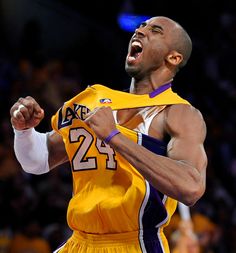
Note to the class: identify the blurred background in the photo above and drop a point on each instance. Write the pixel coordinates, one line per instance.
(53, 49)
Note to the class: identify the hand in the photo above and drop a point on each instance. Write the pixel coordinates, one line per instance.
(26, 113)
(101, 120)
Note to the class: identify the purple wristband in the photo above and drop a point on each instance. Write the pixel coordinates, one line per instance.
(111, 135)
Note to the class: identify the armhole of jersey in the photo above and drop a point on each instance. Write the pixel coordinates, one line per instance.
(115, 116)
(149, 120)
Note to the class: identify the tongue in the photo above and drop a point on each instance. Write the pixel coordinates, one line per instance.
(136, 55)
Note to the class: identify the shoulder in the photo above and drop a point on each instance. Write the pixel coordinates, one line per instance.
(183, 111)
(184, 119)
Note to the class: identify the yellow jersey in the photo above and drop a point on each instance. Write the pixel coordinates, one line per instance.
(109, 195)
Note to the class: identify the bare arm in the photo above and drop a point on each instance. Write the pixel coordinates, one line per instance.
(56, 148)
(187, 129)
(181, 175)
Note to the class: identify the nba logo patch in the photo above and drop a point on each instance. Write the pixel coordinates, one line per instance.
(105, 101)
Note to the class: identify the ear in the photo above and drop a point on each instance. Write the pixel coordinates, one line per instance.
(174, 58)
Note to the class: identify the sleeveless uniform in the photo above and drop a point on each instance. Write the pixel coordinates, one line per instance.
(113, 208)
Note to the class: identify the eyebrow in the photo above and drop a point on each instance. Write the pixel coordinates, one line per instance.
(153, 26)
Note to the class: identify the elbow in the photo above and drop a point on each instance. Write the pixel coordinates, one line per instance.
(193, 195)
(195, 189)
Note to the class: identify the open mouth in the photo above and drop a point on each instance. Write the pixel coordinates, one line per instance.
(135, 51)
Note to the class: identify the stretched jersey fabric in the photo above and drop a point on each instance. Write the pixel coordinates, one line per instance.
(112, 203)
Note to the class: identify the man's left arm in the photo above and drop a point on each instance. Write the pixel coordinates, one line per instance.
(180, 175)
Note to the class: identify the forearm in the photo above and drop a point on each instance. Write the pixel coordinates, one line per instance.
(31, 151)
(176, 179)
(56, 149)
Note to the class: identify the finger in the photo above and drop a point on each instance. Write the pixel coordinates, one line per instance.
(18, 121)
(18, 124)
(21, 113)
(39, 115)
(87, 120)
(23, 108)
(31, 104)
(17, 110)
(31, 108)
(14, 108)
(87, 115)
(36, 107)
(26, 112)
(90, 114)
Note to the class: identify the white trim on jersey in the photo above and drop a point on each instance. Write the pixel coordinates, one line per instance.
(145, 200)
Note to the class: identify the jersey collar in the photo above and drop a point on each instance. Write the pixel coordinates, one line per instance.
(160, 90)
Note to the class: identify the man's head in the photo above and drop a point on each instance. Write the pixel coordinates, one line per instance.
(158, 44)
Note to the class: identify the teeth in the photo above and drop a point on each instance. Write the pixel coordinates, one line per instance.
(136, 43)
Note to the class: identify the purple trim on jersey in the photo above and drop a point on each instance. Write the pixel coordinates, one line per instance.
(159, 90)
(152, 144)
(154, 212)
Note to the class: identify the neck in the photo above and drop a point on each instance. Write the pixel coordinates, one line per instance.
(143, 87)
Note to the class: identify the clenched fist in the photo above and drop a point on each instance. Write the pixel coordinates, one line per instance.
(26, 113)
(101, 120)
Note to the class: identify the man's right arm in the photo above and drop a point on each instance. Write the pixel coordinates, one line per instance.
(36, 152)
(56, 149)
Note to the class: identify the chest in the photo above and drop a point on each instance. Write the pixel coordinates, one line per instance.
(148, 120)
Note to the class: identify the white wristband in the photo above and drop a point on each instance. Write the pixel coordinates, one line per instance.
(31, 150)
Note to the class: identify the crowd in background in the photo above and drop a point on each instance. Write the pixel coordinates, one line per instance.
(35, 206)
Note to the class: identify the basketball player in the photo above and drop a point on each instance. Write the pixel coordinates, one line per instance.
(133, 155)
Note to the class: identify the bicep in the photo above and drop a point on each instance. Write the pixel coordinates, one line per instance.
(56, 148)
(188, 131)
(188, 151)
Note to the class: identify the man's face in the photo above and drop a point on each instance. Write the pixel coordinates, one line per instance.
(148, 47)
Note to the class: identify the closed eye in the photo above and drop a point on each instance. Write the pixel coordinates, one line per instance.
(157, 28)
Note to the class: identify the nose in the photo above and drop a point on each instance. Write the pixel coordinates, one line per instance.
(139, 32)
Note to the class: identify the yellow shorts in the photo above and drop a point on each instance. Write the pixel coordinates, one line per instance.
(110, 243)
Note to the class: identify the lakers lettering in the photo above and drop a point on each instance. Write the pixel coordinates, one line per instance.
(68, 114)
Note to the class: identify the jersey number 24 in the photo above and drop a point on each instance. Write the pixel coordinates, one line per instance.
(80, 160)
